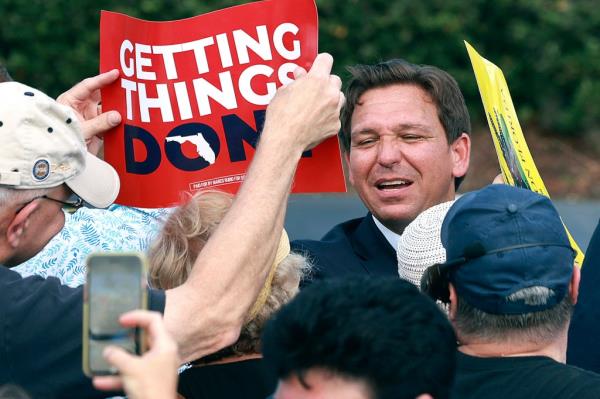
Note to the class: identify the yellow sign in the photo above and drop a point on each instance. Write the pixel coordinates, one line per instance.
(516, 163)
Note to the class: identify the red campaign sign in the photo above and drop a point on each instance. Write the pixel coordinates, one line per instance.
(193, 95)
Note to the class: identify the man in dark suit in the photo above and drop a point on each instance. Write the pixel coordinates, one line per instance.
(405, 134)
(583, 349)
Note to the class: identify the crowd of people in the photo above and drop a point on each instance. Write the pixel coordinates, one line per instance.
(427, 296)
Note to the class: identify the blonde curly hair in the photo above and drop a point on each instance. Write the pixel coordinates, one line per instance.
(184, 234)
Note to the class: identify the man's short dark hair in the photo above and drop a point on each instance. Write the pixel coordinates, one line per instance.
(439, 85)
(4, 76)
(383, 332)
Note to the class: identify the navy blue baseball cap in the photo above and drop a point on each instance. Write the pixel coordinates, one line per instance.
(502, 239)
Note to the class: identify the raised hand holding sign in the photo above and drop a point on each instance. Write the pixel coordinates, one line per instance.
(193, 95)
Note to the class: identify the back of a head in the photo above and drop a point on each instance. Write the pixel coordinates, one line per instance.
(183, 236)
(379, 331)
(511, 264)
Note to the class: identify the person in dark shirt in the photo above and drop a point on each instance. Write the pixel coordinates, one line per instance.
(405, 135)
(511, 284)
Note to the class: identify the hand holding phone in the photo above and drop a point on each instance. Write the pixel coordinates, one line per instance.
(154, 374)
(115, 284)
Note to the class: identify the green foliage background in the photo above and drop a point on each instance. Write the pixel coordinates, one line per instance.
(549, 50)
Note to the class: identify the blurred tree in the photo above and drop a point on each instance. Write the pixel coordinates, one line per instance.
(548, 49)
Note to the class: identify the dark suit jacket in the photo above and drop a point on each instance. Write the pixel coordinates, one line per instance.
(584, 334)
(353, 247)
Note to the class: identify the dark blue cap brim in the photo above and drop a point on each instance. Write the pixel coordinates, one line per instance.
(487, 281)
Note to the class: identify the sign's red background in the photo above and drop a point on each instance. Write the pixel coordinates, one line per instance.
(320, 173)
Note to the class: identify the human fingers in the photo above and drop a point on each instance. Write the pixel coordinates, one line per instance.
(140, 318)
(299, 72)
(322, 65)
(499, 179)
(94, 145)
(154, 325)
(335, 81)
(100, 124)
(88, 88)
(108, 383)
(120, 358)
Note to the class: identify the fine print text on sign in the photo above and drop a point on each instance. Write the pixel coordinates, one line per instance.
(193, 94)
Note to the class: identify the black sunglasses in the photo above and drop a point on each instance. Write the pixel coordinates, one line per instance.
(69, 204)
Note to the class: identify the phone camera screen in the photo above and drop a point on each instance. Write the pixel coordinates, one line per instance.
(114, 287)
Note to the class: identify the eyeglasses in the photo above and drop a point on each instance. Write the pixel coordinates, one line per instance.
(70, 204)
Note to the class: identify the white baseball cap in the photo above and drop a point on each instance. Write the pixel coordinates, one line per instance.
(41, 146)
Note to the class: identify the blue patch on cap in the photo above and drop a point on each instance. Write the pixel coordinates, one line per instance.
(41, 170)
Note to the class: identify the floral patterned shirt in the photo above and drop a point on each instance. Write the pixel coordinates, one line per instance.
(118, 228)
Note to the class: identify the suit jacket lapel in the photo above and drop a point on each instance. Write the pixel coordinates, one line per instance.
(374, 250)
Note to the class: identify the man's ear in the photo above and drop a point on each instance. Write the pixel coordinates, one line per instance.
(574, 285)
(453, 302)
(19, 224)
(461, 153)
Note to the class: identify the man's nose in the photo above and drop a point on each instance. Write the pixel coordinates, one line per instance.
(389, 152)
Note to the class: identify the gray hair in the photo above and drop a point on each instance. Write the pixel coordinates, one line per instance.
(536, 327)
(10, 196)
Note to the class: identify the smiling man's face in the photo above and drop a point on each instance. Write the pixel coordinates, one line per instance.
(400, 162)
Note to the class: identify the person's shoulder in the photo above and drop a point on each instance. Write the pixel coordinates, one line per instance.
(121, 212)
(572, 382)
(582, 374)
(346, 228)
(334, 255)
(539, 376)
(335, 241)
(117, 227)
(579, 383)
(35, 300)
(337, 235)
(12, 281)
